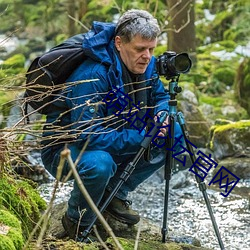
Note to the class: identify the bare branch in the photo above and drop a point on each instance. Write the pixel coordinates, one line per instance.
(66, 154)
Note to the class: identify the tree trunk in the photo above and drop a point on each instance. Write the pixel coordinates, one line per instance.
(71, 6)
(83, 7)
(181, 27)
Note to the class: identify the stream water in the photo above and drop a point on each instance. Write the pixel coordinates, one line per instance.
(187, 212)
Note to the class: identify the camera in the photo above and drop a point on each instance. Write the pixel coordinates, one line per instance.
(171, 65)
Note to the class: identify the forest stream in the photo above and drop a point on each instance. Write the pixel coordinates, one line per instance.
(188, 215)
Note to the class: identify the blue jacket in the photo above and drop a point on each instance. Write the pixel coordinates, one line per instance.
(89, 117)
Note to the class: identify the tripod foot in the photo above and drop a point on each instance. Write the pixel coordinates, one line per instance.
(164, 232)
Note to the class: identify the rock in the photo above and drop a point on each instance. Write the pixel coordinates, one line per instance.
(188, 95)
(149, 238)
(230, 140)
(206, 109)
(239, 166)
(228, 110)
(197, 125)
(20, 209)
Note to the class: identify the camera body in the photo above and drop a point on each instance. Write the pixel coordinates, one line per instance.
(171, 65)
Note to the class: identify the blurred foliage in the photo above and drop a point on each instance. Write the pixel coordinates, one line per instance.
(242, 84)
(221, 27)
(226, 20)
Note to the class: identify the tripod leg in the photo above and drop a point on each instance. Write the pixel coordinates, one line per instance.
(201, 183)
(168, 172)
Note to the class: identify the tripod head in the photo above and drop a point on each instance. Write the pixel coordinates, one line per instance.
(174, 89)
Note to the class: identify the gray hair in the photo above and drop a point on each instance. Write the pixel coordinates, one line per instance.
(137, 22)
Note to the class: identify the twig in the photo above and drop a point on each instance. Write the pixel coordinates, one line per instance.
(77, 21)
(66, 154)
(137, 236)
(99, 238)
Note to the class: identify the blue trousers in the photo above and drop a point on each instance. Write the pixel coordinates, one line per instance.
(99, 171)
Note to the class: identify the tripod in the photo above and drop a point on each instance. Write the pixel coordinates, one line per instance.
(129, 169)
(169, 163)
(173, 90)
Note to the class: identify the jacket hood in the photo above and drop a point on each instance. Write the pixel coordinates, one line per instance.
(98, 43)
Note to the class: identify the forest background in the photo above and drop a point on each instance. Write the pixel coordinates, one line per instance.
(214, 33)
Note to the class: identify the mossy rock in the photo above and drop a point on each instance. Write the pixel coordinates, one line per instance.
(6, 97)
(22, 200)
(11, 237)
(13, 70)
(225, 75)
(219, 107)
(16, 61)
(231, 139)
(13, 65)
(212, 75)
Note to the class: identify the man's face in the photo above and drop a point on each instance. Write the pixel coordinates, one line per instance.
(137, 53)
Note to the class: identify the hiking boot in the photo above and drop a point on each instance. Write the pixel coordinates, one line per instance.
(75, 231)
(121, 211)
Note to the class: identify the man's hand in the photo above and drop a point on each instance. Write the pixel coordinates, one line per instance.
(163, 131)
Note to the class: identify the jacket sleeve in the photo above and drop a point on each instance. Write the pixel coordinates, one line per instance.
(89, 115)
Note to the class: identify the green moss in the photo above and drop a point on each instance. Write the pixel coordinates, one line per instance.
(6, 96)
(220, 132)
(16, 237)
(21, 199)
(174, 246)
(16, 61)
(13, 71)
(214, 101)
(6, 243)
(219, 102)
(225, 75)
(13, 239)
(9, 219)
(90, 247)
(60, 38)
(160, 49)
(228, 45)
(128, 244)
(222, 122)
(236, 125)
